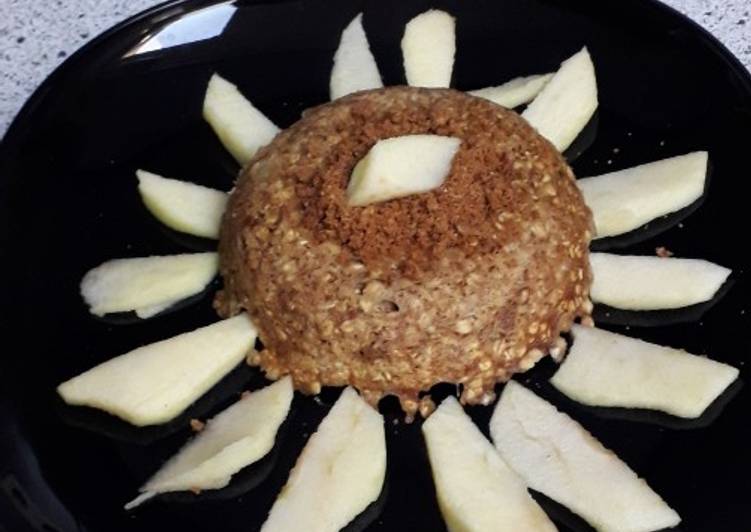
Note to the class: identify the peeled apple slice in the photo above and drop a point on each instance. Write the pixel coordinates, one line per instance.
(237, 437)
(624, 200)
(476, 490)
(608, 369)
(428, 49)
(155, 383)
(633, 282)
(401, 166)
(566, 103)
(355, 68)
(241, 127)
(559, 458)
(183, 206)
(339, 473)
(146, 285)
(516, 92)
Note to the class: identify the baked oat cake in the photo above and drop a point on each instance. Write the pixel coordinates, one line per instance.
(468, 284)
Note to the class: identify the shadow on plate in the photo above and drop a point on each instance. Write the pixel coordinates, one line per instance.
(191, 243)
(130, 318)
(653, 227)
(584, 140)
(227, 390)
(245, 480)
(253, 475)
(662, 419)
(659, 318)
(562, 515)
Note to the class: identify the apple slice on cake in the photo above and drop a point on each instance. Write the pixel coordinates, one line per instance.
(476, 490)
(235, 438)
(183, 206)
(339, 472)
(566, 103)
(147, 285)
(607, 369)
(428, 49)
(627, 199)
(632, 282)
(355, 68)
(401, 166)
(155, 383)
(559, 458)
(241, 128)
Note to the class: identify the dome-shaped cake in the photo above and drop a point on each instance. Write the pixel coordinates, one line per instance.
(468, 283)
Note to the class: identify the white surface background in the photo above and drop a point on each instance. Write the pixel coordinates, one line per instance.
(37, 35)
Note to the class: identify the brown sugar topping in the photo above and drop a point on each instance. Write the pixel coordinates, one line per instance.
(499, 170)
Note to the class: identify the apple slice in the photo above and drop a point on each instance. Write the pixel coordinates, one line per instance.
(146, 285)
(428, 49)
(401, 166)
(241, 127)
(155, 383)
(516, 92)
(339, 473)
(183, 206)
(608, 369)
(355, 67)
(632, 282)
(624, 200)
(476, 489)
(237, 437)
(559, 458)
(566, 103)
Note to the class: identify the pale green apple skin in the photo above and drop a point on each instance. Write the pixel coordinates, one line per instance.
(343, 464)
(624, 200)
(182, 206)
(515, 92)
(238, 436)
(242, 129)
(567, 102)
(155, 383)
(611, 370)
(147, 285)
(636, 282)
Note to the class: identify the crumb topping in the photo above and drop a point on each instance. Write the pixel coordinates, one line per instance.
(501, 178)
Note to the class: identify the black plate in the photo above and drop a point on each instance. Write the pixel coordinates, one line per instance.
(69, 201)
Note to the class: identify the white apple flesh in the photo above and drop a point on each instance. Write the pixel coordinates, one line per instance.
(338, 474)
(428, 49)
(146, 285)
(182, 206)
(627, 199)
(608, 369)
(559, 458)
(235, 438)
(633, 282)
(476, 490)
(155, 383)
(355, 68)
(401, 166)
(566, 103)
(241, 128)
(515, 92)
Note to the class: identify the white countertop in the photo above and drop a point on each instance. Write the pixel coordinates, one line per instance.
(37, 35)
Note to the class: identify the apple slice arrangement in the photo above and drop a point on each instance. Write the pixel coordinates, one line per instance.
(480, 485)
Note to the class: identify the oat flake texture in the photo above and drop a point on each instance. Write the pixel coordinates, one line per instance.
(468, 283)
